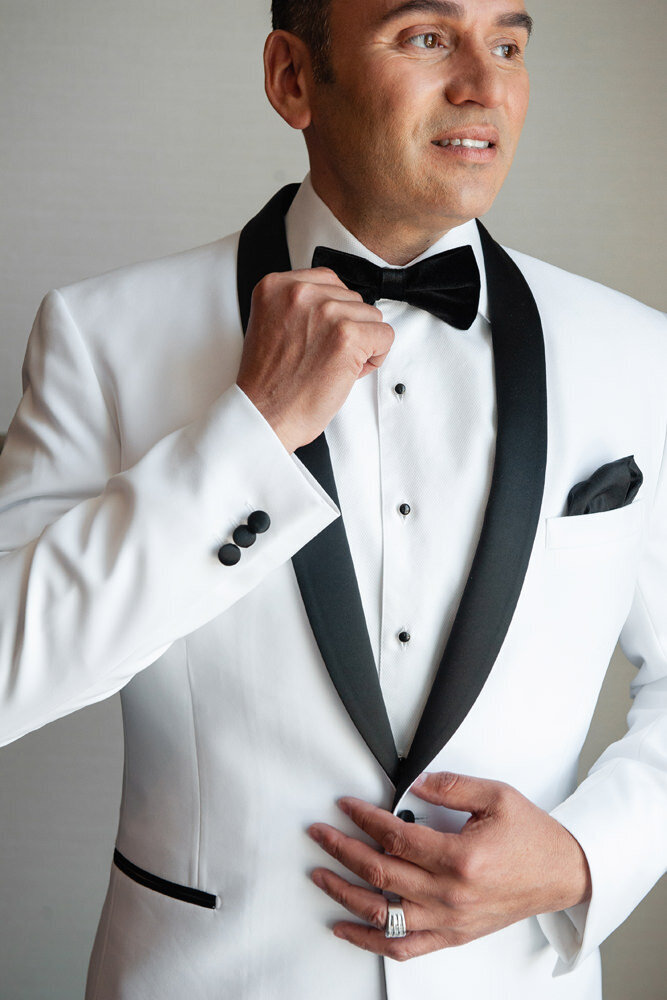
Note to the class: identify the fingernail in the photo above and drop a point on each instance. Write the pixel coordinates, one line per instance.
(340, 934)
(318, 879)
(344, 806)
(421, 779)
(316, 834)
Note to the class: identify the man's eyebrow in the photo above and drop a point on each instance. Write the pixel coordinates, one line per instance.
(449, 8)
(515, 19)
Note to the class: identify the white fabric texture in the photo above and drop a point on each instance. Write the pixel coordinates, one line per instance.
(431, 447)
(132, 456)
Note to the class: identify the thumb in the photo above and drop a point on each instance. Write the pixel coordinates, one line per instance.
(458, 791)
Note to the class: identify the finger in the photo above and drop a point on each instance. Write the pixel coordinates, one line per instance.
(372, 364)
(355, 309)
(343, 294)
(320, 275)
(412, 945)
(371, 906)
(376, 359)
(418, 844)
(375, 340)
(459, 791)
(378, 870)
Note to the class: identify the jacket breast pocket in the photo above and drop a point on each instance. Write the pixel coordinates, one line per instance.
(587, 530)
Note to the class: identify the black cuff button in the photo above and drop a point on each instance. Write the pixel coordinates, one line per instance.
(259, 521)
(229, 554)
(244, 537)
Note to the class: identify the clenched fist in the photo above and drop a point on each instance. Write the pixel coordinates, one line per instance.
(309, 339)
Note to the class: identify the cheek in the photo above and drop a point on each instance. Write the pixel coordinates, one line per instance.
(398, 100)
(378, 122)
(518, 105)
(377, 112)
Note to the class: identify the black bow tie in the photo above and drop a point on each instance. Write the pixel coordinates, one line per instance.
(446, 284)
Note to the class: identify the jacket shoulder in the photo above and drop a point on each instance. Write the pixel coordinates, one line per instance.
(567, 296)
(599, 330)
(160, 285)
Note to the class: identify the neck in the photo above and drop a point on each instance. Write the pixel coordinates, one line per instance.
(396, 240)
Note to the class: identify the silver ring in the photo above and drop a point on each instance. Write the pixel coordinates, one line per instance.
(395, 926)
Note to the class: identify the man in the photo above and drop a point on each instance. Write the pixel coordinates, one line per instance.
(173, 529)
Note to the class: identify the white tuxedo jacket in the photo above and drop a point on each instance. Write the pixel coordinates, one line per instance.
(249, 692)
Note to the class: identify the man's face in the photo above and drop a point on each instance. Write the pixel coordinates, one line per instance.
(406, 76)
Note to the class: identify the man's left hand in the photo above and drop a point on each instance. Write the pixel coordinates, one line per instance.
(510, 860)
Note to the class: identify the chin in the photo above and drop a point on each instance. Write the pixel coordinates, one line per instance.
(462, 209)
(452, 202)
(455, 213)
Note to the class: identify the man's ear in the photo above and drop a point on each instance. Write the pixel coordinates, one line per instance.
(287, 77)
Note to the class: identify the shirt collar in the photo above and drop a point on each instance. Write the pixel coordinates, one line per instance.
(310, 223)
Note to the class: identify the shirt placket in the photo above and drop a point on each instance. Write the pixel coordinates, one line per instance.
(401, 639)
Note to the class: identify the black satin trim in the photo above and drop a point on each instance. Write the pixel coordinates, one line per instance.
(324, 567)
(183, 892)
(512, 512)
(328, 583)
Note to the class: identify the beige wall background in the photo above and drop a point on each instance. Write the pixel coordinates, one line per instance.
(138, 128)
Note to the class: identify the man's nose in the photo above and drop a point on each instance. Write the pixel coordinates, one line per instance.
(474, 75)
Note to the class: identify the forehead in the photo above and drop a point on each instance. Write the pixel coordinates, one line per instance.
(381, 13)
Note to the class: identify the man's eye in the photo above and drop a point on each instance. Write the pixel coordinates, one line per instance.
(511, 50)
(425, 41)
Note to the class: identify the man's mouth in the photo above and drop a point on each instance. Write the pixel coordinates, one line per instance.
(480, 136)
(472, 143)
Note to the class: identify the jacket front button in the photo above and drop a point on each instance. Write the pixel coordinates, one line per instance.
(229, 554)
(244, 537)
(259, 521)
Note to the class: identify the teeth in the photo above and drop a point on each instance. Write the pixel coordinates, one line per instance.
(473, 143)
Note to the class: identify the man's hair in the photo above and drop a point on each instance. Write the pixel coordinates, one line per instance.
(309, 20)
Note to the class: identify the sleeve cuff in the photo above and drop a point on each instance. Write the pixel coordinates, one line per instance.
(617, 815)
(257, 416)
(564, 931)
(241, 465)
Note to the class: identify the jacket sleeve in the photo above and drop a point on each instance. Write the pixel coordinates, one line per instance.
(102, 569)
(619, 813)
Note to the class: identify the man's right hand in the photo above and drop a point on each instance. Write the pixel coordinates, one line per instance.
(309, 339)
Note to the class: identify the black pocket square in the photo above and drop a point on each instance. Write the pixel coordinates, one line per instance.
(612, 485)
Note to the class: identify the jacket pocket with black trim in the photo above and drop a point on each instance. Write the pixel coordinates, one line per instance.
(163, 885)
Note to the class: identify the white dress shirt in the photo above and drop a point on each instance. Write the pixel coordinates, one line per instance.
(430, 447)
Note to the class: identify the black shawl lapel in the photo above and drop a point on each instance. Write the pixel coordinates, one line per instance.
(324, 567)
(512, 513)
